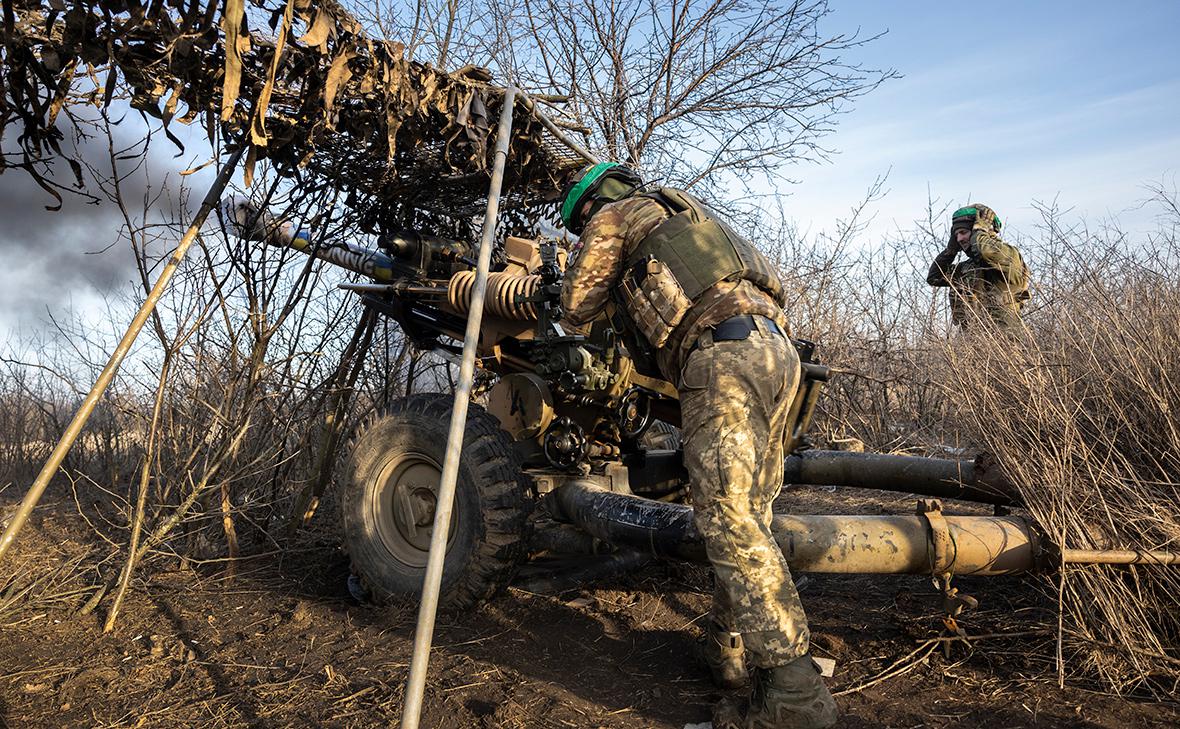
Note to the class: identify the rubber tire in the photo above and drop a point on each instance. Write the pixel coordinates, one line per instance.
(661, 436)
(491, 505)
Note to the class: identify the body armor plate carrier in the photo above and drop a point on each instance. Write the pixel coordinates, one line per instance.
(681, 259)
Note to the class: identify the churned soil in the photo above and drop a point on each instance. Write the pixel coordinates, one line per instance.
(284, 643)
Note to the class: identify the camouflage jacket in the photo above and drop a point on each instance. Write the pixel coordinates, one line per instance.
(613, 233)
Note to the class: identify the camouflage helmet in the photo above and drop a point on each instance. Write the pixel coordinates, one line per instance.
(604, 182)
(976, 215)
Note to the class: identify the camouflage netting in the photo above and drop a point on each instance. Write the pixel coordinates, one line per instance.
(299, 81)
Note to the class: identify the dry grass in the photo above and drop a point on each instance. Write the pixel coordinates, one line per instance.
(1079, 410)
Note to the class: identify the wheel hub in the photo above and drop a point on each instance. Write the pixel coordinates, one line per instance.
(406, 505)
(414, 506)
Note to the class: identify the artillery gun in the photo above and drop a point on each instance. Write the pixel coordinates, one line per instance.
(560, 404)
(579, 423)
(569, 417)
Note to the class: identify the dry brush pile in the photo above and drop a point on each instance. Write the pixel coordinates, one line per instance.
(1081, 413)
(221, 434)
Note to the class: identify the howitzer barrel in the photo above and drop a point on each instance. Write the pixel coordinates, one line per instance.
(944, 478)
(259, 225)
(365, 261)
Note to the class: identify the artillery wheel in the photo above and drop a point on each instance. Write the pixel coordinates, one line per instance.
(390, 492)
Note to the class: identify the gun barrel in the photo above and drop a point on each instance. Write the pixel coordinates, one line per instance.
(254, 224)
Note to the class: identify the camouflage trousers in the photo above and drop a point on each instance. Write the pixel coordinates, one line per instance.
(734, 401)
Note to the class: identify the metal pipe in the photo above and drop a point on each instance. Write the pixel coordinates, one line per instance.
(944, 478)
(656, 527)
(363, 260)
(901, 544)
(1118, 556)
(253, 224)
(212, 197)
(393, 288)
(411, 713)
(557, 132)
(848, 544)
(369, 288)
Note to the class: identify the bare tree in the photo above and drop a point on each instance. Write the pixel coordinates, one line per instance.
(698, 92)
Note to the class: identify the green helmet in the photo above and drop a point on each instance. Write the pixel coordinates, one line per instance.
(604, 182)
(965, 217)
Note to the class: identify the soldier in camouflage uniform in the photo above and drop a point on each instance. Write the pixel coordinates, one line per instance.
(708, 306)
(992, 282)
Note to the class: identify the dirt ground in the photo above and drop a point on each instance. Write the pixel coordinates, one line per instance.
(284, 643)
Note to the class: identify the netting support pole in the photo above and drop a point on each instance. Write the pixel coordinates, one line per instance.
(212, 198)
(415, 685)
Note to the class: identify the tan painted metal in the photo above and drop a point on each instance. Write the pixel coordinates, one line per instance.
(980, 545)
(1118, 556)
(523, 404)
(850, 544)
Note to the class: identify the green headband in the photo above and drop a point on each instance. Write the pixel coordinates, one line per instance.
(575, 194)
(972, 212)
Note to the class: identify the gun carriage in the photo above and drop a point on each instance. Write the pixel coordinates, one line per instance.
(557, 404)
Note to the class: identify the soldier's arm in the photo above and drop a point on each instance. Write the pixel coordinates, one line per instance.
(588, 282)
(988, 249)
(939, 274)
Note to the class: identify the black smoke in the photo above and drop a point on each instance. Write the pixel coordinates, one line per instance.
(76, 256)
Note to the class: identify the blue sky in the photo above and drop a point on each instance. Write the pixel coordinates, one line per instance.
(1005, 103)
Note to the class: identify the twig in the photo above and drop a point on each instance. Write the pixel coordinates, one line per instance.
(897, 669)
(984, 636)
(141, 498)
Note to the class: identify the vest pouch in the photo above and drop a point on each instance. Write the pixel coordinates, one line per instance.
(656, 302)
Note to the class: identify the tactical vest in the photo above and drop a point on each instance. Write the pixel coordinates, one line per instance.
(681, 259)
(701, 250)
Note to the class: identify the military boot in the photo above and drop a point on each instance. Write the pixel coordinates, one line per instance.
(787, 697)
(723, 653)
